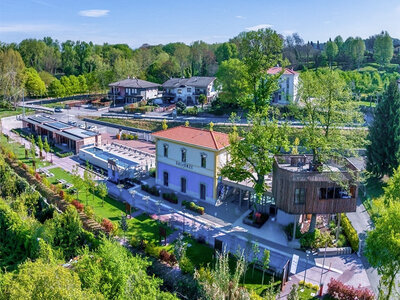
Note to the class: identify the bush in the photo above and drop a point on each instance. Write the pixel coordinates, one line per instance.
(134, 242)
(64, 154)
(152, 250)
(107, 225)
(350, 233)
(289, 231)
(167, 257)
(170, 197)
(62, 194)
(186, 265)
(79, 206)
(180, 106)
(193, 207)
(89, 211)
(151, 190)
(37, 177)
(338, 290)
(152, 172)
(309, 239)
(191, 111)
(342, 242)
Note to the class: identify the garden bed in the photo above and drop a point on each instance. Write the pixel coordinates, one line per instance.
(256, 221)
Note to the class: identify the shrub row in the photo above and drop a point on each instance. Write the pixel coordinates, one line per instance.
(338, 290)
(151, 190)
(309, 285)
(350, 233)
(64, 154)
(193, 206)
(170, 197)
(128, 136)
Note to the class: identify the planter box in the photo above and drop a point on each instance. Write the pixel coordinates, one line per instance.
(260, 221)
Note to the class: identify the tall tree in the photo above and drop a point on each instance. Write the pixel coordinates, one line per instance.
(383, 152)
(57, 89)
(383, 48)
(226, 51)
(382, 249)
(252, 156)
(331, 50)
(357, 51)
(34, 85)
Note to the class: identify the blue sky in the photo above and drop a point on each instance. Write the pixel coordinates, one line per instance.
(156, 21)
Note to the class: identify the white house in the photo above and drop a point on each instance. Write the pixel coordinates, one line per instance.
(288, 84)
(133, 90)
(188, 160)
(188, 90)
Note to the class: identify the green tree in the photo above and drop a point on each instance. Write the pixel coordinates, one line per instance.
(103, 191)
(294, 293)
(33, 149)
(383, 48)
(123, 224)
(265, 263)
(331, 50)
(164, 125)
(77, 180)
(357, 51)
(40, 145)
(34, 85)
(382, 248)
(226, 51)
(259, 51)
(56, 89)
(202, 100)
(41, 280)
(383, 152)
(233, 78)
(66, 82)
(255, 251)
(46, 146)
(46, 77)
(252, 156)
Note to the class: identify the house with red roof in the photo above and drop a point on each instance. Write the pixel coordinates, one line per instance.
(288, 84)
(188, 160)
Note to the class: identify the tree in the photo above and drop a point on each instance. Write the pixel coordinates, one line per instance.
(33, 149)
(202, 100)
(259, 51)
(331, 50)
(233, 78)
(66, 82)
(46, 77)
(219, 283)
(43, 280)
(34, 85)
(294, 293)
(265, 263)
(226, 51)
(103, 191)
(56, 89)
(383, 152)
(123, 224)
(40, 145)
(88, 182)
(383, 48)
(382, 248)
(164, 125)
(46, 146)
(255, 250)
(77, 180)
(252, 156)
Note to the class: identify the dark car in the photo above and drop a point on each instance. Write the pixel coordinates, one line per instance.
(58, 110)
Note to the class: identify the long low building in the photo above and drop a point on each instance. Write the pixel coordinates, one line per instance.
(61, 133)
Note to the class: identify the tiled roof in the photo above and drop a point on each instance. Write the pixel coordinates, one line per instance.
(195, 81)
(135, 83)
(276, 70)
(194, 136)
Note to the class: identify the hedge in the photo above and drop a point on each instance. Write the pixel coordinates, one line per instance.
(170, 197)
(151, 190)
(193, 207)
(350, 233)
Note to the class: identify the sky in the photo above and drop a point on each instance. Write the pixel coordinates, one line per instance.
(135, 22)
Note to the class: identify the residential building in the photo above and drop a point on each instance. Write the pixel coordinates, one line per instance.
(60, 133)
(132, 90)
(300, 188)
(188, 90)
(188, 160)
(288, 84)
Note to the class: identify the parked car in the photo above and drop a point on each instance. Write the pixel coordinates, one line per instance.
(57, 109)
(158, 101)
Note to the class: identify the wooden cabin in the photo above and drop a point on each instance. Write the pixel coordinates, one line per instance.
(298, 188)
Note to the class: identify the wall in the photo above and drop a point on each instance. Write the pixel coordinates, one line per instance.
(193, 181)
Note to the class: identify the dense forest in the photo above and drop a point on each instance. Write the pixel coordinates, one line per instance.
(48, 67)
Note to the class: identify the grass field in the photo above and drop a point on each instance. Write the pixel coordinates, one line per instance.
(10, 112)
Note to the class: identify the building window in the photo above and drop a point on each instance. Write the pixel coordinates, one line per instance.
(287, 84)
(202, 191)
(203, 160)
(179, 91)
(300, 196)
(189, 90)
(183, 155)
(183, 184)
(165, 178)
(334, 193)
(165, 150)
(134, 91)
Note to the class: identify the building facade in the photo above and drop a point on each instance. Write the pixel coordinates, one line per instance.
(188, 160)
(133, 90)
(288, 84)
(188, 90)
(61, 133)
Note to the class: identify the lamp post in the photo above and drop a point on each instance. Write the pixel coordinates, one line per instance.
(147, 198)
(305, 270)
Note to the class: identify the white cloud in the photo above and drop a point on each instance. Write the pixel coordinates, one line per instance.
(94, 13)
(258, 27)
(240, 17)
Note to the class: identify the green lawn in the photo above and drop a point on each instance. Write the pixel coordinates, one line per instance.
(10, 112)
(365, 103)
(19, 151)
(374, 189)
(111, 209)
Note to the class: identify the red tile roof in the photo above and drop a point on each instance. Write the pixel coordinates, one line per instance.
(276, 70)
(194, 136)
